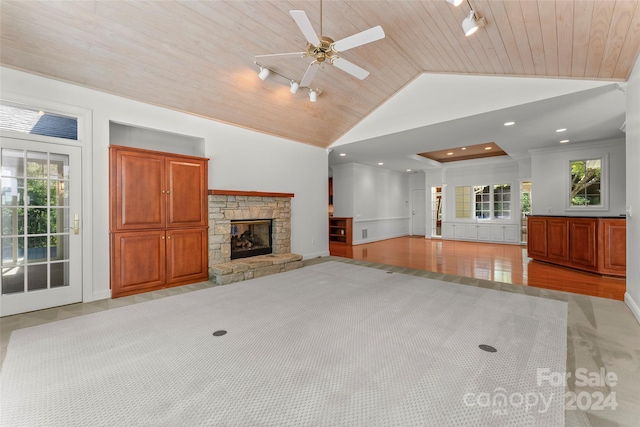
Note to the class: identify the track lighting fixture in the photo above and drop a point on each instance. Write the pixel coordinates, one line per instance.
(471, 23)
(265, 72)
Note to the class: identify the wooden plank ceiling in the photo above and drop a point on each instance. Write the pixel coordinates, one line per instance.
(198, 56)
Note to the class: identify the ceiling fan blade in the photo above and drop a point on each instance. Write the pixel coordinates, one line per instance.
(364, 37)
(309, 74)
(283, 55)
(305, 26)
(350, 68)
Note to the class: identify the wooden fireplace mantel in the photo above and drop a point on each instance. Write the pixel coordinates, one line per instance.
(248, 193)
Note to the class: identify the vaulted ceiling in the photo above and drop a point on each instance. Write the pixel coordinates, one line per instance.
(198, 56)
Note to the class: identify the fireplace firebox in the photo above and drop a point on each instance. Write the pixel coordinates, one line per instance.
(250, 238)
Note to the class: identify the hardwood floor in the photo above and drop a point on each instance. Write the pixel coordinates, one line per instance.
(490, 261)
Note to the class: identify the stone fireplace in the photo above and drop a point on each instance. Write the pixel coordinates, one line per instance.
(234, 213)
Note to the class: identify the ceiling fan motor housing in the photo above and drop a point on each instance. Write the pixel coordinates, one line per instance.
(322, 51)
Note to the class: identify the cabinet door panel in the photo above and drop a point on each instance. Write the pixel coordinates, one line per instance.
(139, 199)
(558, 239)
(614, 246)
(187, 192)
(187, 257)
(138, 261)
(583, 242)
(537, 239)
(497, 233)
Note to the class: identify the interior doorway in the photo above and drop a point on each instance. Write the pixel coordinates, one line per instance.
(418, 213)
(436, 211)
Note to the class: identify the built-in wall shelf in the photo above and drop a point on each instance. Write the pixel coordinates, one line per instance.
(340, 235)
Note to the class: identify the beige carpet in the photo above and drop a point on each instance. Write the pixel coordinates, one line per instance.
(332, 344)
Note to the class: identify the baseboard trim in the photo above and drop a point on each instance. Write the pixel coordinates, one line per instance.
(633, 306)
(99, 295)
(315, 255)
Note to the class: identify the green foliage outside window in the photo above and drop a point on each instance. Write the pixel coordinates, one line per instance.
(586, 182)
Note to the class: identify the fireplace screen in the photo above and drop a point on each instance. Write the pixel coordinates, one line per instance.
(250, 238)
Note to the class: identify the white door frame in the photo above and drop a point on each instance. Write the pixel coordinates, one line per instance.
(22, 302)
(85, 141)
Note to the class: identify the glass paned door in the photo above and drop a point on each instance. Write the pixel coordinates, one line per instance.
(41, 242)
(525, 209)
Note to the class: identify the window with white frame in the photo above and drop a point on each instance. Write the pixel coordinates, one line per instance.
(502, 201)
(483, 201)
(586, 183)
(16, 118)
(463, 202)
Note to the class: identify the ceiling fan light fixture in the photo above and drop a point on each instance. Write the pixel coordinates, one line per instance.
(294, 87)
(313, 95)
(264, 73)
(456, 3)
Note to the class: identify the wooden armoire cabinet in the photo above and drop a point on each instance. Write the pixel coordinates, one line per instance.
(158, 220)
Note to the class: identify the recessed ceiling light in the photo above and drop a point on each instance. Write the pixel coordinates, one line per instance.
(463, 148)
(380, 163)
(561, 130)
(488, 148)
(564, 141)
(408, 170)
(342, 154)
(449, 153)
(510, 123)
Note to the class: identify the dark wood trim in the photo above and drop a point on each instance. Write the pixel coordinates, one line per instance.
(248, 193)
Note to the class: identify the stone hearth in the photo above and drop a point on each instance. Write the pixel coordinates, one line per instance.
(227, 205)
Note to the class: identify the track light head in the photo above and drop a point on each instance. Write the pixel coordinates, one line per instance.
(294, 87)
(313, 95)
(471, 23)
(456, 3)
(264, 73)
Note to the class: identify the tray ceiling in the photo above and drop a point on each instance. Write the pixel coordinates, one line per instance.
(197, 56)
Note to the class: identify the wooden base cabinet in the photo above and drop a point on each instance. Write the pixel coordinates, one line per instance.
(158, 220)
(187, 257)
(138, 262)
(147, 260)
(597, 245)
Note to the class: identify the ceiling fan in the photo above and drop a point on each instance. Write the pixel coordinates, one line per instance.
(323, 49)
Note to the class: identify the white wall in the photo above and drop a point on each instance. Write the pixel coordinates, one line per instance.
(632, 296)
(268, 163)
(379, 201)
(343, 184)
(550, 177)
